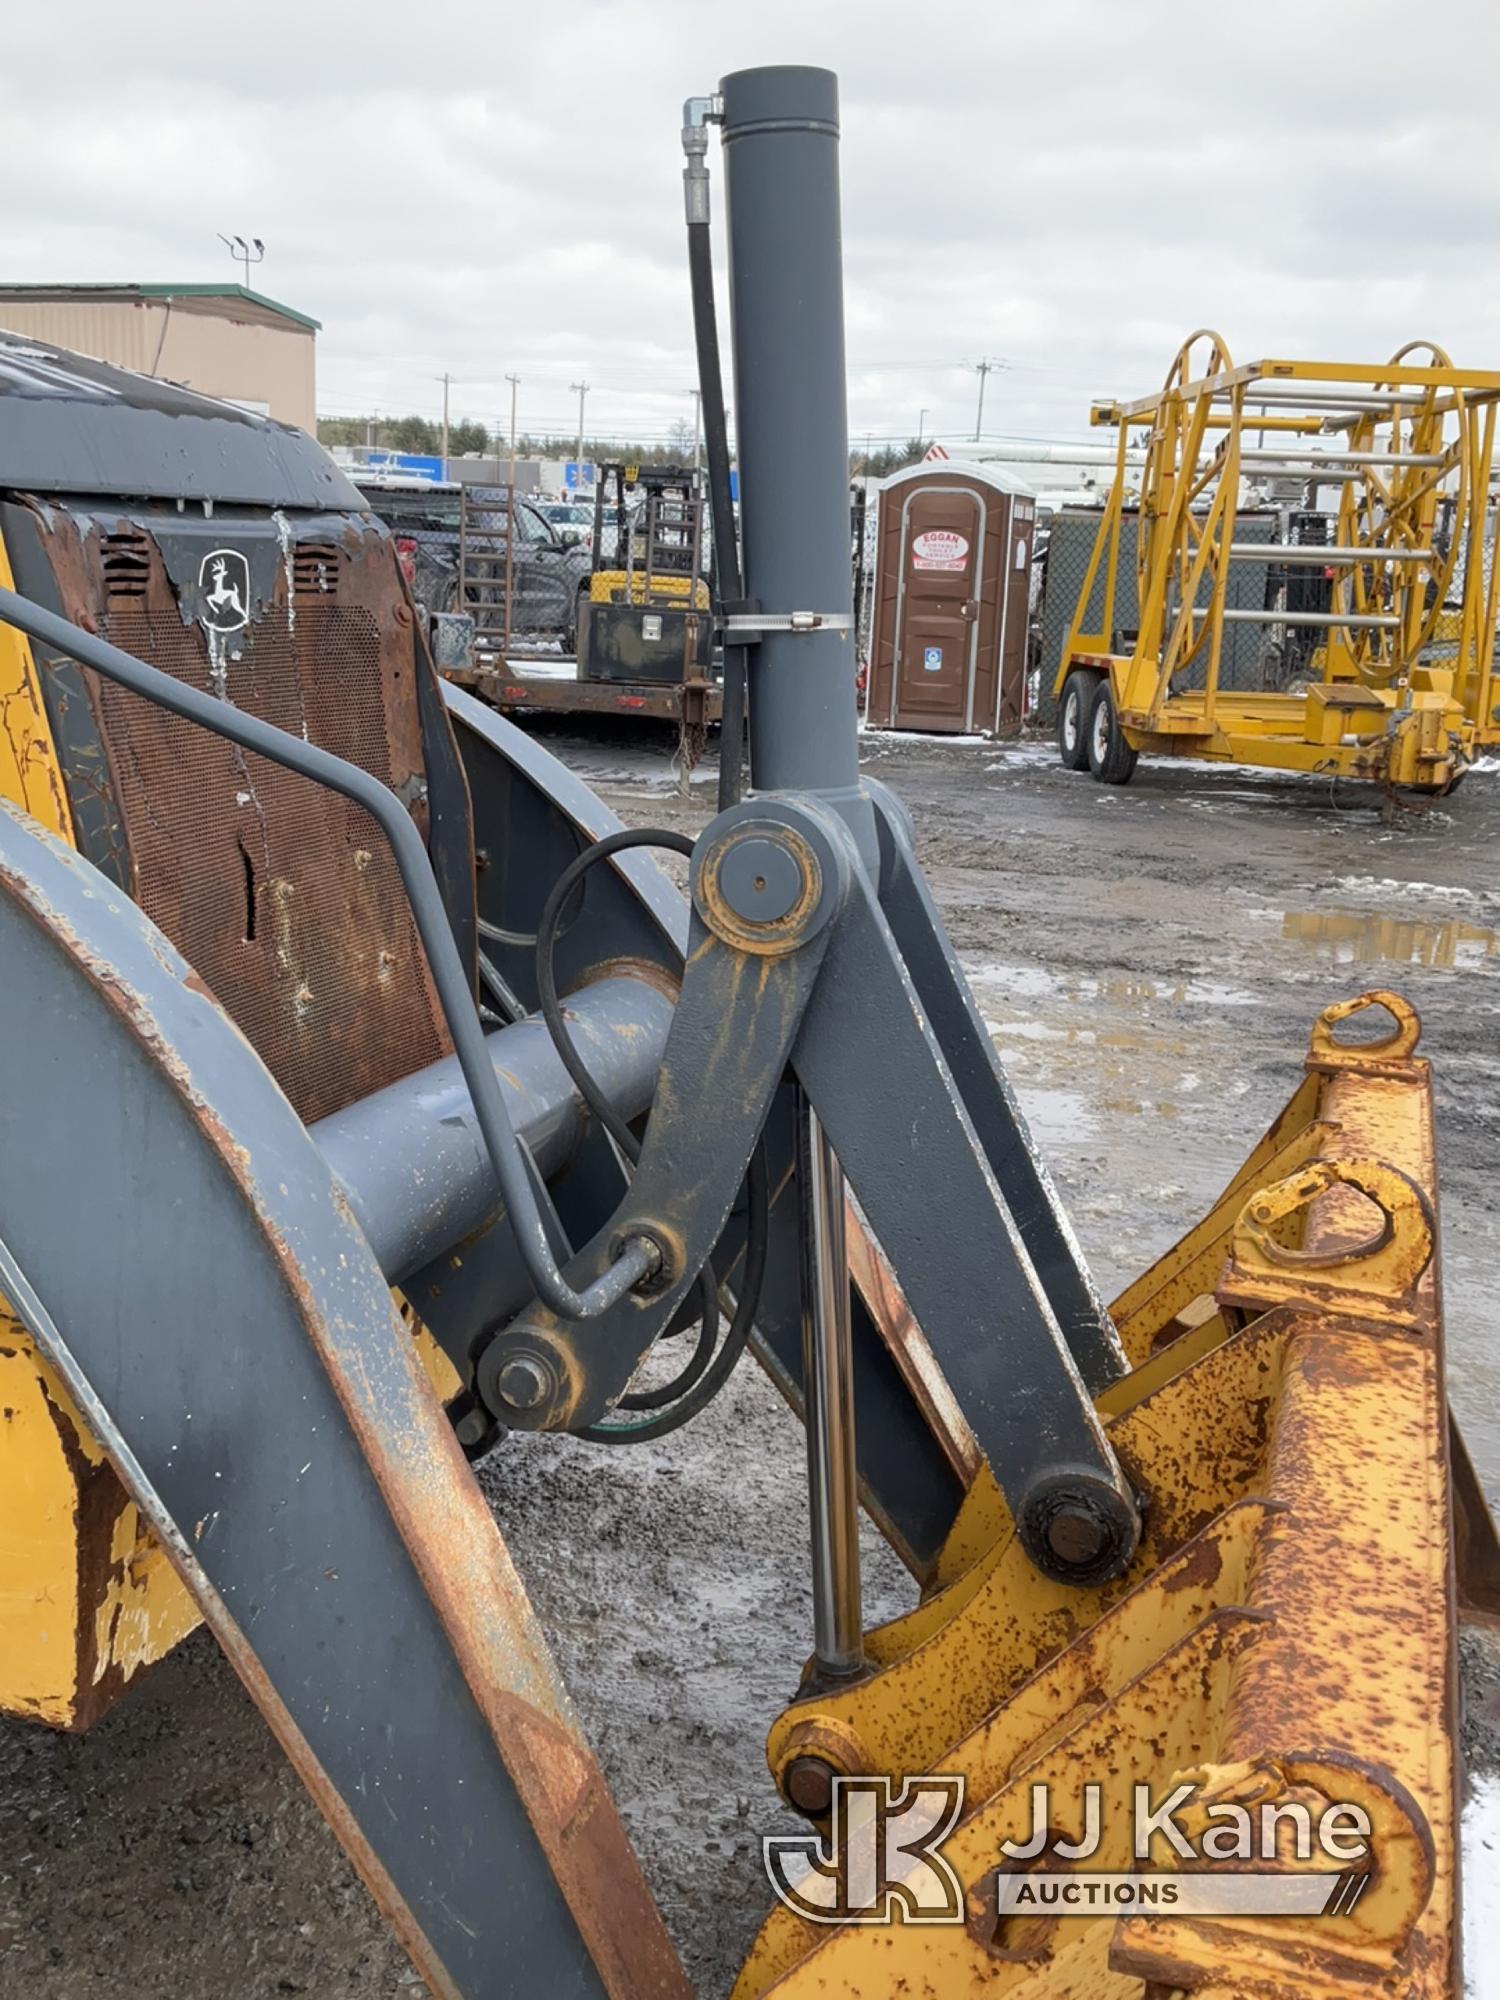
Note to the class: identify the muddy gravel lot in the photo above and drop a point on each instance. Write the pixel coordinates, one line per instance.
(1150, 960)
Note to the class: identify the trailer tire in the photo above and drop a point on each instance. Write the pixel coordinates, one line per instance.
(1073, 708)
(1111, 758)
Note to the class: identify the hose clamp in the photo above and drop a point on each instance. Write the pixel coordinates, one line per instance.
(744, 628)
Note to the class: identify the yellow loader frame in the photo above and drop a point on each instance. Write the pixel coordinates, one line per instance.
(1406, 691)
(1285, 1634)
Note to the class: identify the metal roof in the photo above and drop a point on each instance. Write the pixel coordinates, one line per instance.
(133, 291)
(966, 468)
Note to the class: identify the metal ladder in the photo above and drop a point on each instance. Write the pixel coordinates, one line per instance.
(486, 564)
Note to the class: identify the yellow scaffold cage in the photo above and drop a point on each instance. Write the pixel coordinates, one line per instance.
(1361, 496)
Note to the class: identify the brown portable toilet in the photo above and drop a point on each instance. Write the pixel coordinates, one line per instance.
(952, 599)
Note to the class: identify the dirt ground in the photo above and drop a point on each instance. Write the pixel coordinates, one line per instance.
(1150, 960)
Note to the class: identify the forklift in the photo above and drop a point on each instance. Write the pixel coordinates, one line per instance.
(647, 615)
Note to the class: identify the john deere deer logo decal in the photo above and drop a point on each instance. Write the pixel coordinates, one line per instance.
(224, 583)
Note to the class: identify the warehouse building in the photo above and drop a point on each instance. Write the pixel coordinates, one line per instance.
(224, 340)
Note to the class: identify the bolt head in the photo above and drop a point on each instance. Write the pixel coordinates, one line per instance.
(1075, 1537)
(808, 1785)
(524, 1382)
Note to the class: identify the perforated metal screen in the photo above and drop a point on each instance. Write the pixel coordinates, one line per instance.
(283, 896)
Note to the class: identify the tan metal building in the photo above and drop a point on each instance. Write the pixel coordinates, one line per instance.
(224, 340)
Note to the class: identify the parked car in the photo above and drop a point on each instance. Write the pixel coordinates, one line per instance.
(548, 575)
(573, 521)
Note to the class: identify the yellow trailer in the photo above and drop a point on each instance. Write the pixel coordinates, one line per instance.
(1401, 687)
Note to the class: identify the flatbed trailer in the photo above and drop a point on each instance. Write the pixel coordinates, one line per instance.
(1398, 685)
(510, 685)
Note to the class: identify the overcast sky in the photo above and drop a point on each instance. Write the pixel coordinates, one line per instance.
(494, 188)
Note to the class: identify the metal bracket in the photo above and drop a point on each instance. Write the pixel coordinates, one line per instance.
(744, 628)
(912, 1150)
(754, 947)
(791, 957)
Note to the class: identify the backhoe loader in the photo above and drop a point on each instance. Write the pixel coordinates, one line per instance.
(368, 1094)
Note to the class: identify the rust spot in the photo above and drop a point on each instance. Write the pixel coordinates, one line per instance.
(195, 810)
(1198, 1566)
(101, 1500)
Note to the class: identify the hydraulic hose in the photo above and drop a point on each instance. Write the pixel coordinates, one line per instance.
(706, 1373)
(637, 1258)
(548, 926)
(698, 1398)
(728, 584)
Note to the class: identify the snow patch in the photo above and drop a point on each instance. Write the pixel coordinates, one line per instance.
(921, 736)
(1481, 1889)
(1387, 886)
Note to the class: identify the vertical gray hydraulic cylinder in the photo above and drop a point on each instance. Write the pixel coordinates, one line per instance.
(780, 129)
(828, 1412)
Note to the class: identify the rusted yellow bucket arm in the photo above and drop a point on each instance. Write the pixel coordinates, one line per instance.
(1281, 1649)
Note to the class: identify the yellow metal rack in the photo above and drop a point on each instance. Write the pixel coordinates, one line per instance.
(1403, 688)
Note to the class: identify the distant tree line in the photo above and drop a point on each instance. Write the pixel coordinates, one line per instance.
(890, 458)
(472, 439)
(404, 434)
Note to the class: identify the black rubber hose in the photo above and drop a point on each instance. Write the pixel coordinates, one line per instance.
(557, 1027)
(757, 1237)
(703, 1377)
(703, 1352)
(546, 971)
(728, 583)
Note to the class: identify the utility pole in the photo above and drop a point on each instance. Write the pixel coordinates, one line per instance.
(921, 425)
(580, 390)
(982, 369)
(510, 508)
(697, 396)
(446, 379)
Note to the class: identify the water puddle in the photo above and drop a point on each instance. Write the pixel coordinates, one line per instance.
(1031, 982)
(1448, 945)
(1059, 1119)
(1096, 1054)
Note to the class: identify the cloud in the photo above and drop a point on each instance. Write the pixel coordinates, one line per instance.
(496, 189)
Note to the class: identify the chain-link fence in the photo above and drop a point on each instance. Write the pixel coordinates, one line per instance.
(1448, 628)
(473, 550)
(1249, 660)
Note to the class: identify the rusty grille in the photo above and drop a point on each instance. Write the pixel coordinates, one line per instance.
(315, 570)
(282, 895)
(127, 567)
